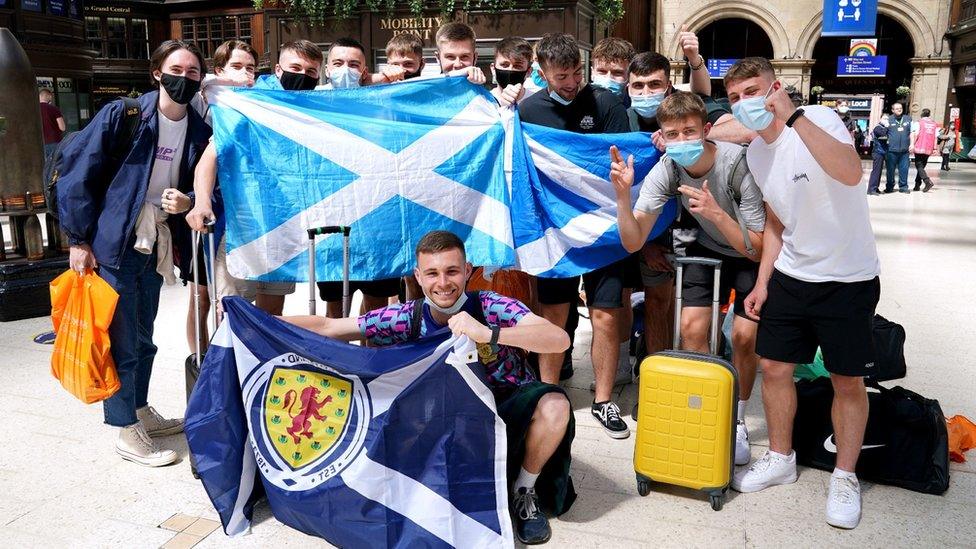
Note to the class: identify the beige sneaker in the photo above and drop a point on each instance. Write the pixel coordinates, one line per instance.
(156, 425)
(135, 445)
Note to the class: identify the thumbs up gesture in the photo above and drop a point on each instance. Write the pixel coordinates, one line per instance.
(689, 43)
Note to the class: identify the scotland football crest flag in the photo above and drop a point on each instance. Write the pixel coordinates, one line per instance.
(393, 162)
(363, 447)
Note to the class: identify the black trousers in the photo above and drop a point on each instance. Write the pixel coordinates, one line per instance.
(945, 160)
(920, 176)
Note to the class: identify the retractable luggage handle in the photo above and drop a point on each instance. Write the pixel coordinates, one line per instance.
(708, 262)
(329, 229)
(208, 229)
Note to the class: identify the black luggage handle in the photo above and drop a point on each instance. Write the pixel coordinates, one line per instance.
(326, 230)
(716, 264)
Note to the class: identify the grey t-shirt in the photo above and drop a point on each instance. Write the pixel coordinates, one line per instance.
(657, 189)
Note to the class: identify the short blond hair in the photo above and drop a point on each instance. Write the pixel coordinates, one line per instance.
(680, 105)
(455, 32)
(405, 44)
(749, 67)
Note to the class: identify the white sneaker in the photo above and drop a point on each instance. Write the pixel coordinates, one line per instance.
(742, 454)
(844, 502)
(156, 425)
(135, 445)
(769, 470)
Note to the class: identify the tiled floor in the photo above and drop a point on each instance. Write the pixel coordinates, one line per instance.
(63, 486)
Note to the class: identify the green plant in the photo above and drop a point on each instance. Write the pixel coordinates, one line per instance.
(316, 11)
(903, 91)
(816, 90)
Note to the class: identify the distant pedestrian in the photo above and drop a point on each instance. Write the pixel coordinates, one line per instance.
(879, 149)
(52, 122)
(923, 145)
(899, 139)
(947, 143)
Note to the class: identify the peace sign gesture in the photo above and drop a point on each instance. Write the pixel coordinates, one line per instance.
(621, 173)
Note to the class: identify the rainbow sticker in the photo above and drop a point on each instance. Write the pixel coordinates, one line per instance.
(864, 47)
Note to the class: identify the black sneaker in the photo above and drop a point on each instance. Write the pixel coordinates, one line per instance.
(566, 371)
(608, 414)
(917, 187)
(928, 186)
(531, 525)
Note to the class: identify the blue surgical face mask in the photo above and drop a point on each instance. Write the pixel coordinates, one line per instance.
(752, 112)
(685, 153)
(537, 78)
(344, 77)
(559, 99)
(453, 309)
(646, 105)
(608, 83)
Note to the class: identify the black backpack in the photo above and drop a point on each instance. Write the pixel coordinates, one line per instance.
(906, 443)
(55, 165)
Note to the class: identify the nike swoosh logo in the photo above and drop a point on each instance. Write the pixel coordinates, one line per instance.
(832, 448)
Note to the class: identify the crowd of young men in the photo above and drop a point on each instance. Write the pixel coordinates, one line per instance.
(787, 217)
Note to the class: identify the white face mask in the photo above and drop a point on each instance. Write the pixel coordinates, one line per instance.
(453, 309)
(344, 77)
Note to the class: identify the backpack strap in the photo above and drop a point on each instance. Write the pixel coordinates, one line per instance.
(632, 120)
(417, 318)
(131, 116)
(674, 178)
(737, 174)
(417, 315)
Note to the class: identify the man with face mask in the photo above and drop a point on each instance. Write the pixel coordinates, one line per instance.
(818, 279)
(699, 171)
(513, 58)
(299, 63)
(879, 149)
(567, 106)
(110, 211)
(538, 419)
(345, 65)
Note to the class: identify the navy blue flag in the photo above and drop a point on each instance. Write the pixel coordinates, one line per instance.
(363, 447)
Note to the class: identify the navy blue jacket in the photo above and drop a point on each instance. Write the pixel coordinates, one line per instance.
(880, 141)
(99, 200)
(898, 133)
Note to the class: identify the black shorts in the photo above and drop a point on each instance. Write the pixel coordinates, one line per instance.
(604, 287)
(738, 273)
(798, 316)
(332, 291)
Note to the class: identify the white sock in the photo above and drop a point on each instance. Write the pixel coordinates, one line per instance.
(525, 479)
(840, 473)
(741, 415)
(784, 457)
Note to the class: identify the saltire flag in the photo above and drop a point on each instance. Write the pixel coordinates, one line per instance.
(391, 161)
(565, 220)
(364, 447)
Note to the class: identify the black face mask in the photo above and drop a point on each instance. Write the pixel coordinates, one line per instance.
(414, 74)
(296, 81)
(505, 78)
(179, 88)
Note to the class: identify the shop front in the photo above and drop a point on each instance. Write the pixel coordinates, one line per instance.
(962, 96)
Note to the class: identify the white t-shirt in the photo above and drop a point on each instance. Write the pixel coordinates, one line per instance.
(827, 233)
(169, 154)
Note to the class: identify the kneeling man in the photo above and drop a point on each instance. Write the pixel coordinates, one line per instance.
(538, 417)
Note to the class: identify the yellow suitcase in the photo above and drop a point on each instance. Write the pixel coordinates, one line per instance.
(686, 412)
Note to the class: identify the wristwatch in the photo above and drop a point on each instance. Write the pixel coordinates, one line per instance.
(495, 332)
(793, 118)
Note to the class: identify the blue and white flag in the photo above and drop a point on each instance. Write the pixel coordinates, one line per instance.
(392, 162)
(364, 447)
(565, 218)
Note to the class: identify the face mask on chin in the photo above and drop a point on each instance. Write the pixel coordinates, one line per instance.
(179, 88)
(296, 81)
(559, 99)
(608, 83)
(414, 74)
(453, 309)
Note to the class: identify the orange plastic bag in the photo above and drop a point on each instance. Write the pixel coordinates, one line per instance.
(962, 437)
(81, 310)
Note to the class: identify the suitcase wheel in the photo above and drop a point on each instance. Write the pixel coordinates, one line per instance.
(643, 486)
(717, 500)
